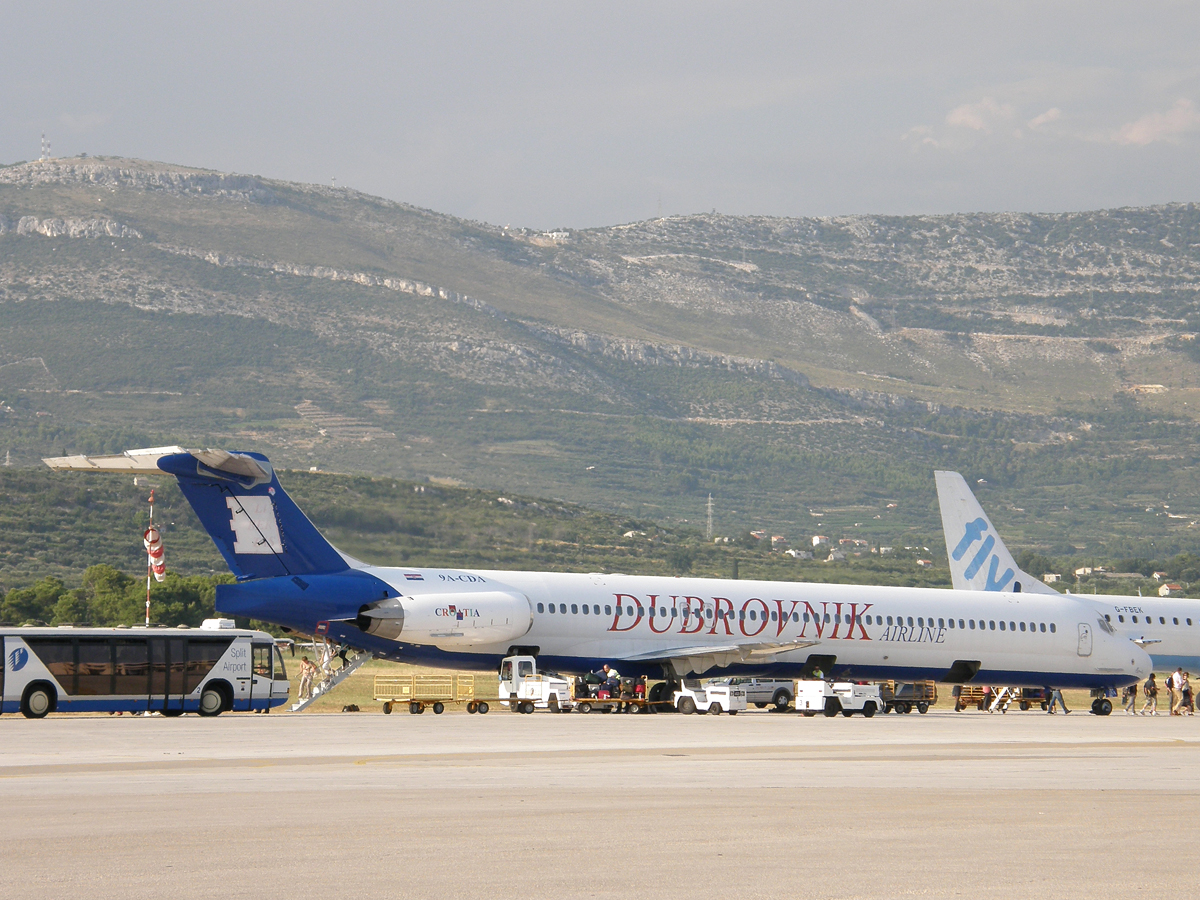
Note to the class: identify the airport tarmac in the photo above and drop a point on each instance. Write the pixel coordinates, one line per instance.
(546, 806)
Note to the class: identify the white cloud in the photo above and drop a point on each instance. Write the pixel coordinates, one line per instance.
(981, 116)
(1051, 115)
(1160, 126)
(921, 136)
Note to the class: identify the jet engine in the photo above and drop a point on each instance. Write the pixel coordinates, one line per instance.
(449, 620)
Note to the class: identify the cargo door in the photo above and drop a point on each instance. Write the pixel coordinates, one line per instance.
(1085, 639)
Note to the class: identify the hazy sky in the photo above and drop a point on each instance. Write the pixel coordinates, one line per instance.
(577, 114)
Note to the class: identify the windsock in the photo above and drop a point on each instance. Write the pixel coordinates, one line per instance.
(154, 547)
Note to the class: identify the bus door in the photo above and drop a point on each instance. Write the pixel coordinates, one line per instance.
(260, 686)
(168, 667)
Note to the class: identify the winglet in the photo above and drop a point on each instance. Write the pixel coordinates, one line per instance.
(979, 561)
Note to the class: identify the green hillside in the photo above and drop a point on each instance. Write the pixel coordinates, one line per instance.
(809, 374)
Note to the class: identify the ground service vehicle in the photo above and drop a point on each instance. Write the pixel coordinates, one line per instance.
(523, 688)
(843, 697)
(433, 691)
(205, 670)
(695, 697)
(903, 697)
(763, 692)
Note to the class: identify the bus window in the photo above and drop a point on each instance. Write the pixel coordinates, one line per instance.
(132, 667)
(280, 673)
(262, 660)
(57, 655)
(95, 667)
(202, 656)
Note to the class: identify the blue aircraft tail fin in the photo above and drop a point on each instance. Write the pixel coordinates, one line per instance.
(257, 527)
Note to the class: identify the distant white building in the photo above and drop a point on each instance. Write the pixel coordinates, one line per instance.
(883, 551)
(1050, 578)
(835, 556)
(799, 554)
(1170, 590)
(1159, 576)
(925, 563)
(778, 540)
(820, 540)
(1083, 570)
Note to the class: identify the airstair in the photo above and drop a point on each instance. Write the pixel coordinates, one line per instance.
(329, 678)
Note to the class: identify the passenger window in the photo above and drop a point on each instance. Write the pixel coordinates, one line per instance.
(1022, 626)
(1176, 621)
(796, 617)
(1012, 626)
(607, 610)
(708, 614)
(742, 616)
(1189, 621)
(574, 609)
(941, 623)
(662, 611)
(1002, 625)
(596, 610)
(889, 620)
(1107, 617)
(991, 626)
(586, 611)
(541, 608)
(910, 621)
(1120, 618)
(1043, 626)
(960, 623)
(971, 622)
(753, 616)
(552, 609)
(1162, 621)
(826, 618)
(951, 623)
(1052, 628)
(920, 622)
(1134, 619)
(774, 617)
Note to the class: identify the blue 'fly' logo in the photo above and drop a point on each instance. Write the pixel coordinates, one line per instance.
(18, 658)
(973, 533)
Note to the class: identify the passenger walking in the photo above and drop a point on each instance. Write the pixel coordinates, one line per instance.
(1175, 685)
(1189, 701)
(1150, 689)
(1129, 699)
(306, 675)
(1055, 695)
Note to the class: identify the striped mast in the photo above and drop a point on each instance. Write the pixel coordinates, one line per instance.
(155, 565)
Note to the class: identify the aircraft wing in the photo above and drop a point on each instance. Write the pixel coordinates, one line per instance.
(700, 659)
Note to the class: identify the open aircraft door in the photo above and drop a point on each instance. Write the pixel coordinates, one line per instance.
(1085, 639)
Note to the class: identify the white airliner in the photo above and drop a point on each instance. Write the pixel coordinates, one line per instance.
(288, 574)
(1167, 627)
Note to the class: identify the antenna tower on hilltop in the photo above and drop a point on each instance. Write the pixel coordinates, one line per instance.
(45, 148)
(709, 529)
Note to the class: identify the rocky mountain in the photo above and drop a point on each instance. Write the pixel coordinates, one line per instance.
(803, 371)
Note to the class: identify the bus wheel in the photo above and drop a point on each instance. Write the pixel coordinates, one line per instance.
(211, 702)
(482, 708)
(37, 702)
(438, 708)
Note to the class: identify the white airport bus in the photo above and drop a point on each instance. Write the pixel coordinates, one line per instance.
(207, 670)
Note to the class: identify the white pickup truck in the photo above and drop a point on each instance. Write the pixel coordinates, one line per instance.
(763, 692)
(715, 698)
(842, 697)
(523, 689)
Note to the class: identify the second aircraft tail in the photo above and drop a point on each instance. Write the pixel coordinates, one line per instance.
(979, 561)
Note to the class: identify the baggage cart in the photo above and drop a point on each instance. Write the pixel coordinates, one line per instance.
(433, 691)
